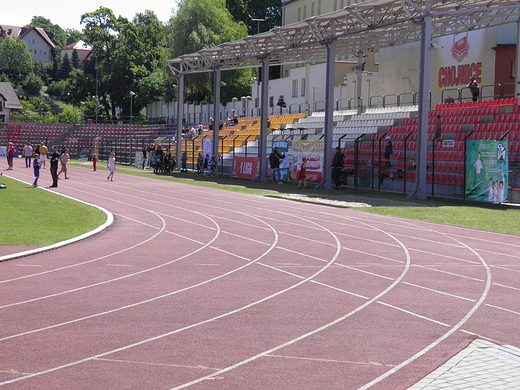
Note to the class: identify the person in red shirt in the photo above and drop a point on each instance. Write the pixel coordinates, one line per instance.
(10, 156)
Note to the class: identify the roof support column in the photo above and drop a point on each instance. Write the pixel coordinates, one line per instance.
(264, 95)
(180, 116)
(216, 109)
(517, 79)
(329, 114)
(419, 191)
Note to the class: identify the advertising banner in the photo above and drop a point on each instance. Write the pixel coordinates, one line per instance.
(245, 167)
(207, 147)
(285, 164)
(487, 170)
(459, 57)
(313, 152)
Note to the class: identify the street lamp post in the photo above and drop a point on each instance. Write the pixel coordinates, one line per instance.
(131, 94)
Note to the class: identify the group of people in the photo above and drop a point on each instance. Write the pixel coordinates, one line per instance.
(58, 158)
(206, 165)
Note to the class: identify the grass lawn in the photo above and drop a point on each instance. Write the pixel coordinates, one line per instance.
(31, 216)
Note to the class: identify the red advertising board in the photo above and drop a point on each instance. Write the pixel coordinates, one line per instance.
(245, 167)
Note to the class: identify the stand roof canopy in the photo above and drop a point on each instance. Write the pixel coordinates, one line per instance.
(370, 25)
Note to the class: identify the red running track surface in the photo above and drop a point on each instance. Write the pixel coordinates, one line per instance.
(206, 289)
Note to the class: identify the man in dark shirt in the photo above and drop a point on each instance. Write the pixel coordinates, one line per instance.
(337, 165)
(55, 159)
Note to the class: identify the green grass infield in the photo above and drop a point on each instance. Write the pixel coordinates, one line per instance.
(32, 216)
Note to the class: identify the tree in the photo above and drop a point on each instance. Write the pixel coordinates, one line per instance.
(65, 68)
(73, 36)
(127, 53)
(245, 11)
(268, 10)
(15, 59)
(74, 61)
(32, 84)
(101, 31)
(202, 24)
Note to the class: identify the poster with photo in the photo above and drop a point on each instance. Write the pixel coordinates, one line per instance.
(487, 171)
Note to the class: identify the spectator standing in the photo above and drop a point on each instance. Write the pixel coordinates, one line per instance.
(143, 151)
(27, 153)
(36, 168)
(64, 159)
(474, 88)
(388, 151)
(184, 160)
(200, 163)
(213, 165)
(438, 132)
(274, 160)
(205, 165)
(54, 159)
(43, 154)
(301, 174)
(111, 165)
(281, 104)
(10, 156)
(94, 162)
(337, 166)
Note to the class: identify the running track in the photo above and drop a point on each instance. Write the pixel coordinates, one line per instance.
(207, 289)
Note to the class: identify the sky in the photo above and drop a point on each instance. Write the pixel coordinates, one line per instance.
(67, 14)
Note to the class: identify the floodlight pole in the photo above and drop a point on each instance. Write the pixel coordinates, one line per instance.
(180, 114)
(419, 191)
(262, 150)
(329, 114)
(216, 109)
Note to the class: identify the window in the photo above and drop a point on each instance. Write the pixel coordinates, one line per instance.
(32, 40)
(312, 9)
(303, 87)
(295, 88)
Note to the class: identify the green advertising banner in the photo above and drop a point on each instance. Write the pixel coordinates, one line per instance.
(487, 170)
(285, 164)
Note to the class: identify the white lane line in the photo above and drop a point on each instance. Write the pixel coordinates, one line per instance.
(448, 333)
(71, 364)
(317, 330)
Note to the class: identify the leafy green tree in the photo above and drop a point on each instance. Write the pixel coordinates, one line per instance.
(32, 85)
(59, 90)
(73, 36)
(44, 70)
(202, 24)
(127, 53)
(15, 60)
(101, 31)
(268, 10)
